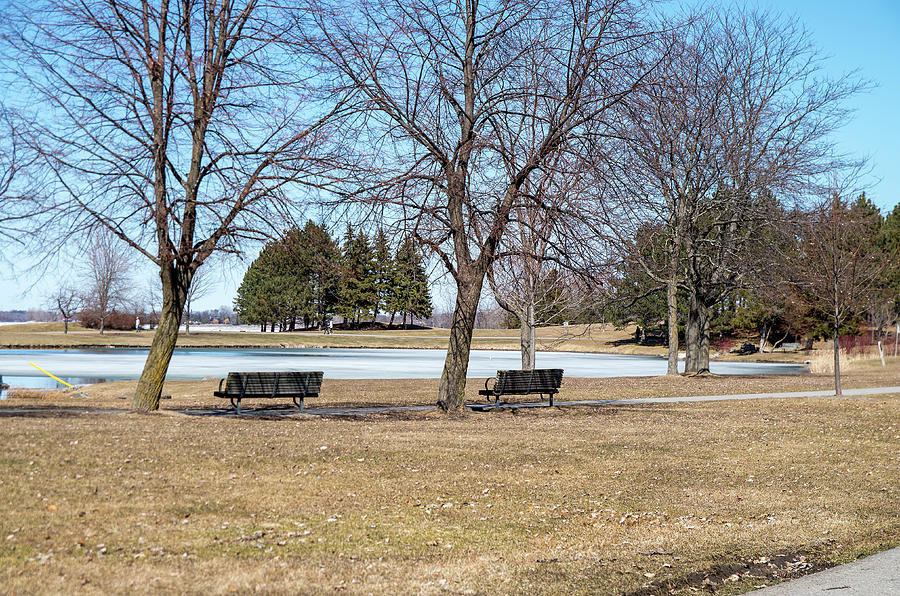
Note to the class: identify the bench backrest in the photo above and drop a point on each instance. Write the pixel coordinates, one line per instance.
(523, 382)
(273, 384)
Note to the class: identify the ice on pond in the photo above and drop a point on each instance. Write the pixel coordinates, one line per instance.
(337, 363)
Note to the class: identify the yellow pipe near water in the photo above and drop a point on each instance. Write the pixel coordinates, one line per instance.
(49, 375)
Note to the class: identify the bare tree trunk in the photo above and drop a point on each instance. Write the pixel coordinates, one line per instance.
(763, 337)
(102, 319)
(837, 362)
(149, 387)
(526, 333)
(692, 333)
(521, 306)
(896, 338)
(672, 312)
(703, 356)
(451, 393)
(780, 341)
(678, 211)
(697, 336)
(187, 316)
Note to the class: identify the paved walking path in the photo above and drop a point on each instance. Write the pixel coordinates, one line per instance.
(364, 411)
(878, 575)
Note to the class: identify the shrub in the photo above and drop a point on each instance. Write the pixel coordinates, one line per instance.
(725, 345)
(114, 320)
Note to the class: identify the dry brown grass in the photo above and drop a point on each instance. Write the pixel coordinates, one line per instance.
(41, 328)
(350, 393)
(867, 359)
(579, 338)
(43, 395)
(581, 500)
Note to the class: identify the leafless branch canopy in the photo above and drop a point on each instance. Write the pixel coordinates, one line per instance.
(739, 108)
(19, 184)
(465, 102)
(177, 125)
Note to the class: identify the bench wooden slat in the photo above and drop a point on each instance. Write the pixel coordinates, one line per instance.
(296, 385)
(523, 382)
(540, 381)
(264, 384)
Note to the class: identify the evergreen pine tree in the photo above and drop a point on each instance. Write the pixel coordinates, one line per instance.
(411, 295)
(321, 272)
(280, 285)
(383, 273)
(257, 301)
(358, 296)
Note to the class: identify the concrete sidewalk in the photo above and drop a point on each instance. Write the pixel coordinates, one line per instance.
(695, 398)
(878, 575)
(365, 411)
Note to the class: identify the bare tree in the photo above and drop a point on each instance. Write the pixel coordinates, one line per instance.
(17, 183)
(175, 124)
(464, 103)
(107, 281)
(838, 267)
(67, 302)
(150, 301)
(882, 315)
(537, 276)
(738, 113)
(202, 284)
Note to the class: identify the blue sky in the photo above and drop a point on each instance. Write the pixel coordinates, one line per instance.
(862, 35)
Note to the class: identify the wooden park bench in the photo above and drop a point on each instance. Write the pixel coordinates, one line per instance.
(296, 385)
(541, 381)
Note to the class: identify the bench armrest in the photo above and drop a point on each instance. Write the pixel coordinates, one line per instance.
(488, 380)
(220, 384)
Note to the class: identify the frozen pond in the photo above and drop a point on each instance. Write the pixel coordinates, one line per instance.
(87, 366)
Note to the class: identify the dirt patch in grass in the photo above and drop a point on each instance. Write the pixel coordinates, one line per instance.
(737, 575)
(639, 499)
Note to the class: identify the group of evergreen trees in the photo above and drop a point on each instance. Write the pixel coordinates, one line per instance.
(306, 277)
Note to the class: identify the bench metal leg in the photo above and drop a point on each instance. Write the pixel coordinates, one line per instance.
(236, 405)
(551, 401)
(299, 404)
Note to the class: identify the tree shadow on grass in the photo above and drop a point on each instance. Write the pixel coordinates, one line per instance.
(54, 412)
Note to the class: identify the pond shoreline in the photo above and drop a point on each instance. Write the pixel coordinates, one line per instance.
(78, 366)
(765, 358)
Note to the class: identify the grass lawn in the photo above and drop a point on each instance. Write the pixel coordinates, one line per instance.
(577, 338)
(718, 496)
